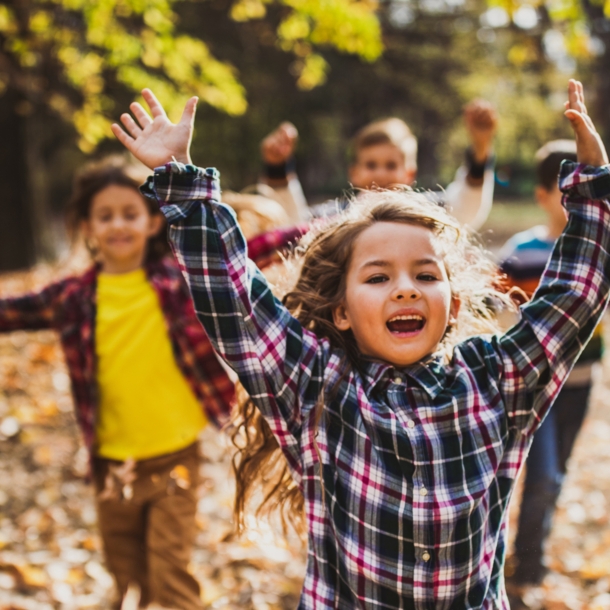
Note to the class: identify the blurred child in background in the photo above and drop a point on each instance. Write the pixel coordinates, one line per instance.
(523, 259)
(279, 171)
(256, 214)
(385, 155)
(145, 380)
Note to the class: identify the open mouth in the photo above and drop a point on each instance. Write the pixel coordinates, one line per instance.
(411, 323)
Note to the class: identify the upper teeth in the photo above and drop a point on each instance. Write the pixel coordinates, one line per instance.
(409, 317)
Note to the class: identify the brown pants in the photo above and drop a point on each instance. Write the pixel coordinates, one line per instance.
(147, 522)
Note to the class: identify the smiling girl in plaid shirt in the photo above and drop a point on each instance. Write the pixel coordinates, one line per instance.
(403, 440)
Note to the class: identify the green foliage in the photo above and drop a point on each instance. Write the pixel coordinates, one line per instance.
(347, 25)
(572, 35)
(569, 17)
(72, 54)
(87, 42)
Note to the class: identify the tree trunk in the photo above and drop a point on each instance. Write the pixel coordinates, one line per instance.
(17, 249)
(600, 27)
(603, 85)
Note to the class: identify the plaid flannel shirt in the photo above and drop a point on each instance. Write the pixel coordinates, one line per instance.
(406, 501)
(68, 306)
(266, 248)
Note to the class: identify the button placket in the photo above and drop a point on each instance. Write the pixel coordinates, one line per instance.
(402, 399)
(423, 535)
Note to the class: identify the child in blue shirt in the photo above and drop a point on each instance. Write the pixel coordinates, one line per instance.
(523, 260)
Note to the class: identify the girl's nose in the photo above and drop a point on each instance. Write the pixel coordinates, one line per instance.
(406, 293)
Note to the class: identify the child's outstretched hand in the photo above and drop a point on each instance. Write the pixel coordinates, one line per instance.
(157, 141)
(279, 145)
(589, 146)
(481, 122)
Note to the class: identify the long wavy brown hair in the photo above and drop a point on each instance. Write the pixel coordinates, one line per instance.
(322, 262)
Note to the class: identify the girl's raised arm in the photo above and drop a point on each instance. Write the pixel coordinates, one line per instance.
(537, 354)
(33, 311)
(276, 360)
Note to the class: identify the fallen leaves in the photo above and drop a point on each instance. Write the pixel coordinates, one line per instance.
(181, 477)
(50, 552)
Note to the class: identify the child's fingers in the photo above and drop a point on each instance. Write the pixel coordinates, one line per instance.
(572, 94)
(121, 136)
(579, 123)
(156, 109)
(580, 120)
(480, 114)
(581, 92)
(140, 114)
(188, 114)
(289, 130)
(131, 126)
(576, 96)
(574, 115)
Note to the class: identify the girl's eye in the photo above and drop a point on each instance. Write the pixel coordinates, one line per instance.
(377, 279)
(427, 277)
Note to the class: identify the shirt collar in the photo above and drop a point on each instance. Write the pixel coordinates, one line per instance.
(428, 374)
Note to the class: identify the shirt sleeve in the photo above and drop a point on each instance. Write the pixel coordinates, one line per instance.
(470, 204)
(33, 311)
(536, 355)
(263, 247)
(292, 199)
(212, 380)
(276, 360)
(287, 189)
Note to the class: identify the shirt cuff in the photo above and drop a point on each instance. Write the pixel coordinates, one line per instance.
(584, 180)
(475, 169)
(177, 187)
(279, 171)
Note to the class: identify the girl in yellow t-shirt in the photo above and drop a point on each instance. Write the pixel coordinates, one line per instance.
(144, 379)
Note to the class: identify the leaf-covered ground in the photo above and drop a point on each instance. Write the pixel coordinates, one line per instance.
(50, 552)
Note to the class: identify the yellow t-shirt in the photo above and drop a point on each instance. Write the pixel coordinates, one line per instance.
(147, 407)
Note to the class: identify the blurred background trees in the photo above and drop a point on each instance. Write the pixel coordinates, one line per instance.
(80, 62)
(70, 67)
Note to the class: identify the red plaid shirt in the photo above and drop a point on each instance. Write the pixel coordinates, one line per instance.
(69, 307)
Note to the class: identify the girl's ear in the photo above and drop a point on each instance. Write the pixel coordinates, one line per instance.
(156, 224)
(454, 309)
(87, 233)
(341, 317)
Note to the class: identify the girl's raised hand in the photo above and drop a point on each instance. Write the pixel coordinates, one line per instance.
(589, 146)
(156, 141)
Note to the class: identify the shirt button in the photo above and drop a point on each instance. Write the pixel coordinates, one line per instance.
(423, 491)
(411, 424)
(397, 380)
(426, 556)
